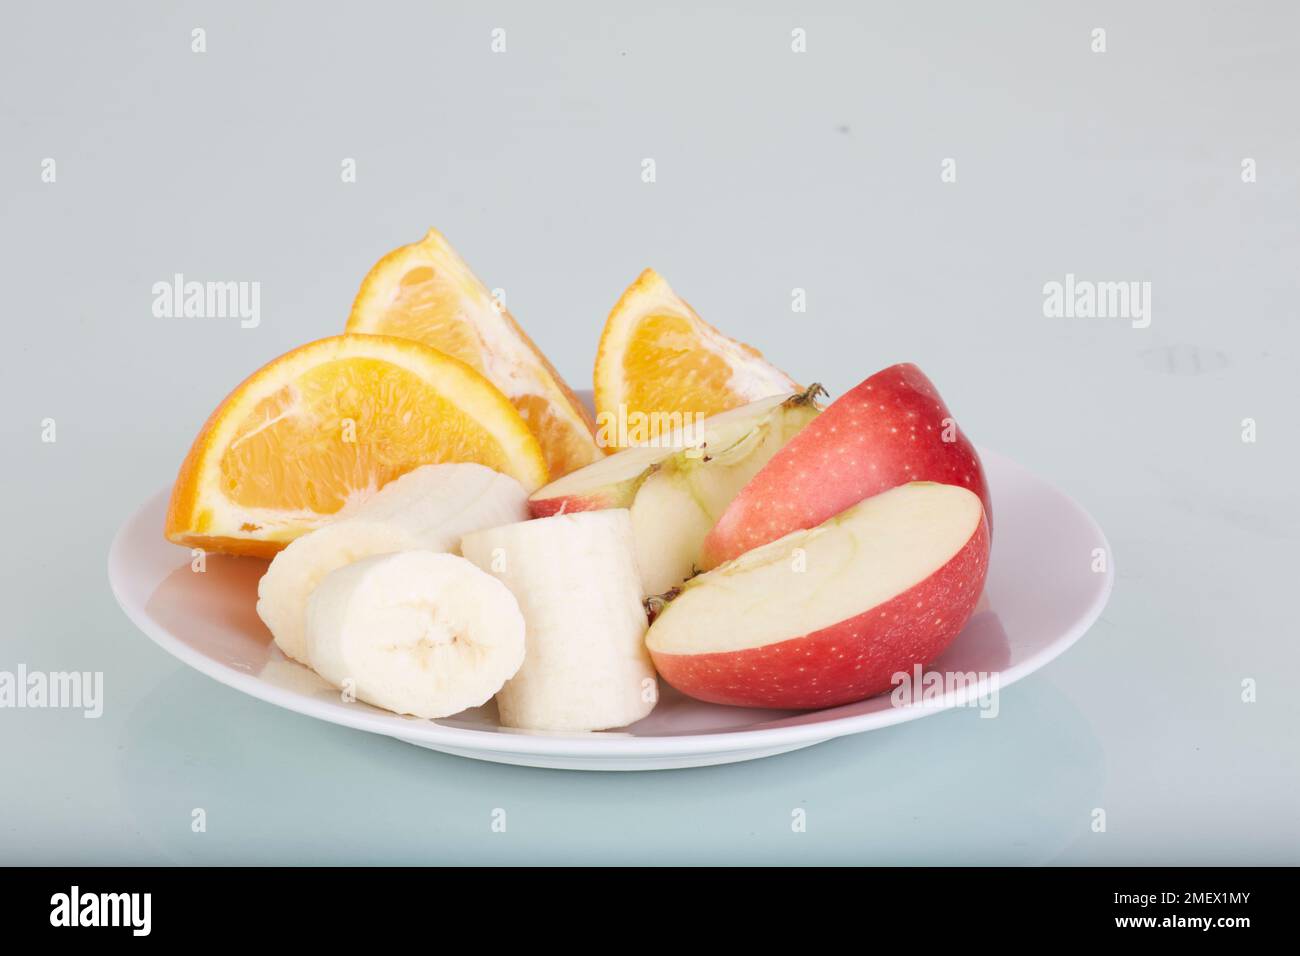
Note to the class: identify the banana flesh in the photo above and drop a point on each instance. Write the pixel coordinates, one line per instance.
(577, 584)
(416, 632)
(428, 508)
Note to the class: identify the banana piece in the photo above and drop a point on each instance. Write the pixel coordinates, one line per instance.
(576, 580)
(428, 508)
(415, 632)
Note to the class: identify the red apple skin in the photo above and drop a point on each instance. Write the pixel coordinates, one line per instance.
(616, 495)
(849, 661)
(884, 432)
(568, 504)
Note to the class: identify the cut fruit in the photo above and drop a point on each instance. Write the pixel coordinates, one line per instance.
(574, 576)
(427, 293)
(658, 358)
(677, 490)
(829, 615)
(316, 432)
(612, 482)
(415, 633)
(429, 508)
(679, 502)
(888, 430)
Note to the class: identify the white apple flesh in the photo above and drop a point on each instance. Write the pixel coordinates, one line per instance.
(612, 482)
(829, 615)
(681, 499)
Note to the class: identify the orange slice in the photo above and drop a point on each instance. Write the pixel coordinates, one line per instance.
(658, 361)
(426, 292)
(320, 429)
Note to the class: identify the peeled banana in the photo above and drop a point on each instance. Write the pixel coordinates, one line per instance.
(428, 508)
(576, 581)
(415, 632)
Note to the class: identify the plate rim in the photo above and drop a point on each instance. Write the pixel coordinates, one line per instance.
(608, 743)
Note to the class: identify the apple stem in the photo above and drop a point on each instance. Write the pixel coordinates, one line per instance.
(655, 604)
(809, 395)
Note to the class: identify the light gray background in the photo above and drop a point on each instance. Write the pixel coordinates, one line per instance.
(775, 170)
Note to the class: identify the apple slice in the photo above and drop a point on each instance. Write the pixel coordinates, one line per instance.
(682, 497)
(612, 482)
(677, 488)
(890, 429)
(829, 615)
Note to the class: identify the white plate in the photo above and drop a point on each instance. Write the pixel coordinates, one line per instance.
(1041, 596)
